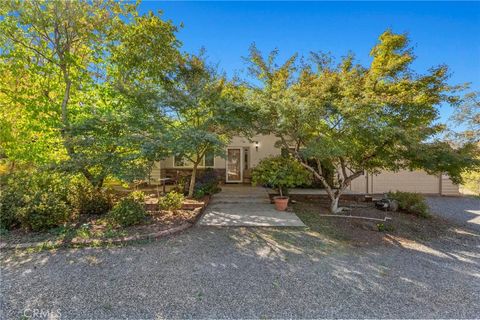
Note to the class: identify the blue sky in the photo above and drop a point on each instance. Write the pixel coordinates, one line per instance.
(440, 32)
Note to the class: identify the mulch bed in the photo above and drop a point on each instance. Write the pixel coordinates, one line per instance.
(359, 232)
(158, 223)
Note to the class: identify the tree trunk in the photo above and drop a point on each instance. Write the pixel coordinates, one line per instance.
(99, 184)
(281, 191)
(334, 205)
(334, 195)
(191, 188)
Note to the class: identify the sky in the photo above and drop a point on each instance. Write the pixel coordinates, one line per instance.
(440, 32)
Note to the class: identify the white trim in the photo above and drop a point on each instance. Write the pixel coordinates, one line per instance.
(241, 166)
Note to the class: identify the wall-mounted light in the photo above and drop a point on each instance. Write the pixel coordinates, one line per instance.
(256, 145)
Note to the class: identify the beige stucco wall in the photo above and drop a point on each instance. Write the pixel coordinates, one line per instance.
(410, 181)
(448, 188)
(359, 185)
(404, 180)
(265, 149)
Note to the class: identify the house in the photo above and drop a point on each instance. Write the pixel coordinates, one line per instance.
(244, 154)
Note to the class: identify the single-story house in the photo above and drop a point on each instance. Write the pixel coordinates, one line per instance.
(243, 154)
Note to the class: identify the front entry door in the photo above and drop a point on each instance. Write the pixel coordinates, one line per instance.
(234, 165)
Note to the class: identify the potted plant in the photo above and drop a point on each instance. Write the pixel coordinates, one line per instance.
(281, 172)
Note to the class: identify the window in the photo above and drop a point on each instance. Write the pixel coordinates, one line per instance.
(180, 161)
(209, 158)
(207, 161)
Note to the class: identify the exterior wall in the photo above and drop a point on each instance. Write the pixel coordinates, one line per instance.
(155, 174)
(175, 173)
(266, 148)
(359, 185)
(410, 181)
(448, 188)
(405, 180)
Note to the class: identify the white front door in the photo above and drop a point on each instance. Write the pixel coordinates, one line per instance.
(234, 165)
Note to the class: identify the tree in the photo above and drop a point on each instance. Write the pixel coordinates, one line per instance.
(205, 112)
(466, 119)
(357, 119)
(80, 85)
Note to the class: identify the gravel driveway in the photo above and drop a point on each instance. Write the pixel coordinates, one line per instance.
(464, 211)
(209, 272)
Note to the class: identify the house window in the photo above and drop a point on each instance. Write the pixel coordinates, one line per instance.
(207, 161)
(181, 161)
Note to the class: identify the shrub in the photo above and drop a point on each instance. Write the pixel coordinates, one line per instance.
(138, 196)
(182, 185)
(280, 172)
(206, 184)
(171, 201)
(87, 200)
(35, 200)
(472, 181)
(127, 212)
(411, 202)
(11, 200)
(84, 231)
(385, 227)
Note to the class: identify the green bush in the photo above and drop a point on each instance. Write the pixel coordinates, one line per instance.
(137, 196)
(385, 227)
(35, 200)
(87, 200)
(171, 201)
(280, 172)
(127, 212)
(411, 202)
(11, 200)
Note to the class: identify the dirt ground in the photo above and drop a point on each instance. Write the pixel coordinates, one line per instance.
(361, 232)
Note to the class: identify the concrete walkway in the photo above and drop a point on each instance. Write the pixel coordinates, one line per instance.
(241, 205)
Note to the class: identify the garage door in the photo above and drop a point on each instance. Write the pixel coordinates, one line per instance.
(410, 181)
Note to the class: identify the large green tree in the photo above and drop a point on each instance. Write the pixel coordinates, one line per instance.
(80, 85)
(205, 111)
(355, 118)
(466, 120)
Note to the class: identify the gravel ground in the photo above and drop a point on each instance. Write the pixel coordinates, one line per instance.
(209, 272)
(464, 211)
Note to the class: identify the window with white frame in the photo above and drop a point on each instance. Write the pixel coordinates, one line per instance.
(208, 160)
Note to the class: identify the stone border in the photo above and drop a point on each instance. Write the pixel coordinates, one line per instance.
(88, 242)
